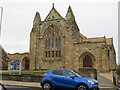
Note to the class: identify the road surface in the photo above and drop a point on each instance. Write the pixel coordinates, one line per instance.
(30, 88)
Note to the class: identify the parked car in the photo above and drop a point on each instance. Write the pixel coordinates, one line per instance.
(65, 78)
(118, 85)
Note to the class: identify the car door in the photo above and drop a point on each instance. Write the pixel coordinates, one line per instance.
(69, 79)
(57, 78)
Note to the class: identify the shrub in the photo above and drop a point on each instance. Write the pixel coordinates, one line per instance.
(118, 71)
(34, 73)
(88, 72)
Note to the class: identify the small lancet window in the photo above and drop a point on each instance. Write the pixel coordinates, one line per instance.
(53, 40)
(52, 17)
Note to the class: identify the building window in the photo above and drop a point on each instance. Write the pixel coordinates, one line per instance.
(52, 44)
(15, 65)
(48, 43)
(59, 53)
(52, 17)
(56, 42)
(46, 53)
(56, 53)
(52, 53)
(53, 40)
(59, 43)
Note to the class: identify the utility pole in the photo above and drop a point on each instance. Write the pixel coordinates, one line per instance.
(1, 19)
(0, 36)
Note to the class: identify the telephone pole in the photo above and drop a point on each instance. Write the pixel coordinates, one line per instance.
(1, 19)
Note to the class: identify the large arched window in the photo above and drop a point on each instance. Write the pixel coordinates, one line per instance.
(52, 43)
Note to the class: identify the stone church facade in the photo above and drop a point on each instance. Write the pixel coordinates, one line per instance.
(57, 42)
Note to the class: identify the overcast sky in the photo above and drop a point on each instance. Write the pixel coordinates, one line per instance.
(95, 18)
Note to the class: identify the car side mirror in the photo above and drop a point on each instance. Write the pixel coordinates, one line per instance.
(72, 77)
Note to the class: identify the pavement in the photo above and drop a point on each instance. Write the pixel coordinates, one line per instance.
(19, 83)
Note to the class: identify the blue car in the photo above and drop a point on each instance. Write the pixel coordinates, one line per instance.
(65, 78)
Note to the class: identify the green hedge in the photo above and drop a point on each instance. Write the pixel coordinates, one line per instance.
(37, 73)
(23, 77)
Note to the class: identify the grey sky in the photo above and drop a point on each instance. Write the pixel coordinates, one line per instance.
(95, 18)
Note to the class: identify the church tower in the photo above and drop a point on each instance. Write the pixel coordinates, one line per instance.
(70, 20)
(34, 41)
(70, 16)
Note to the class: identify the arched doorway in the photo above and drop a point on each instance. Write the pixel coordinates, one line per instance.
(87, 61)
(25, 63)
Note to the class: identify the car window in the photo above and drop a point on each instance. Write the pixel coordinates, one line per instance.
(67, 73)
(58, 72)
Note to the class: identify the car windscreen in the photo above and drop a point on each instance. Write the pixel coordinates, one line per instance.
(74, 73)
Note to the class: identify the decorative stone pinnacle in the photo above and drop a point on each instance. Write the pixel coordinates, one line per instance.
(53, 5)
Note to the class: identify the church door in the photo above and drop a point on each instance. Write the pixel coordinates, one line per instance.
(26, 64)
(87, 61)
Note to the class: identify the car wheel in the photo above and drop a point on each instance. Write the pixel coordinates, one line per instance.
(82, 87)
(47, 86)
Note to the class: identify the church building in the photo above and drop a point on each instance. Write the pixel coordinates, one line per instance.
(57, 42)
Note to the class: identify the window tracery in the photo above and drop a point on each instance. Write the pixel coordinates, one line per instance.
(52, 43)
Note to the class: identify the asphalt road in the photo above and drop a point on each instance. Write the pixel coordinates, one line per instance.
(30, 88)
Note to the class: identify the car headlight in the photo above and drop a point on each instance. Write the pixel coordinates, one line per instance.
(91, 82)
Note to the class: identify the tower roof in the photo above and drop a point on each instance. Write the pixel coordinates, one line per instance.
(69, 13)
(53, 14)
